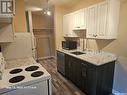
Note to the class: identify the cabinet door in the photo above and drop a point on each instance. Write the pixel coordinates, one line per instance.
(91, 80)
(113, 18)
(76, 70)
(65, 25)
(68, 24)
(80, 19)
(85, 17)
(76, 19)
(68, 69)
(71, 25)
(73, 70)
(84, 76)
(102, 19)
(92, 22)
(61, 62)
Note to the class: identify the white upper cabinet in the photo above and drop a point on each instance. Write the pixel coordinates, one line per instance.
(80, 17)
(113, 19)
(68, 24)
(100, 20)
(92, 22)
(103, 19)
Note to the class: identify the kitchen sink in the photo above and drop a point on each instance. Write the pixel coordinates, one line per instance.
(78, 53)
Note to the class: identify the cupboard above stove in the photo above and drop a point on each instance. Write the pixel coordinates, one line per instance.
(100, 20)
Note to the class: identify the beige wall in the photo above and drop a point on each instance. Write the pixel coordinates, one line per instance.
(58, 18)
(19, 19)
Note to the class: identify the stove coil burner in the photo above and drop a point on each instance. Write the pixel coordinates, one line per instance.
(15, 71)
(37, 74)
(31, 68)
(16, 79)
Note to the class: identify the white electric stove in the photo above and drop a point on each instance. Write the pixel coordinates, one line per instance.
(27, 80)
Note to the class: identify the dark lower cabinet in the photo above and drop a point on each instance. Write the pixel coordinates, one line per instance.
(91, 79)
(100, 79)
(72, 70)
(61, 62)
(84, 76)
(76, 71)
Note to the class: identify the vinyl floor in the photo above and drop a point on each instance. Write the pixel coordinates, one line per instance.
(61, 86)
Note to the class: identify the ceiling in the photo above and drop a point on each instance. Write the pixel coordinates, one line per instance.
(40, 4)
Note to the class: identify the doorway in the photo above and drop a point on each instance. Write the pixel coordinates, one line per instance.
(43, 30)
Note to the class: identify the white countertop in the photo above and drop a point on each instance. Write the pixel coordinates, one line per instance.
(19, 62)
(94, 57)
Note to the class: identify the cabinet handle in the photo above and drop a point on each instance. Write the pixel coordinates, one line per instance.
(94, 35)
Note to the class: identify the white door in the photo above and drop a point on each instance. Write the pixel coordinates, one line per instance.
(92, 22)
(43, 47)
(102, 19)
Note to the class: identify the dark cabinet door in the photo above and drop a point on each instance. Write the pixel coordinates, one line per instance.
(73, 70)
(76, 72)
(68, 67)
(61, 62)
(84, 75)
(91, 82)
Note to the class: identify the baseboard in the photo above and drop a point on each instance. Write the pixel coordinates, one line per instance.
(47, 57)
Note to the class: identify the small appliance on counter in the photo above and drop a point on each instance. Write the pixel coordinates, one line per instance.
(69, 45)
